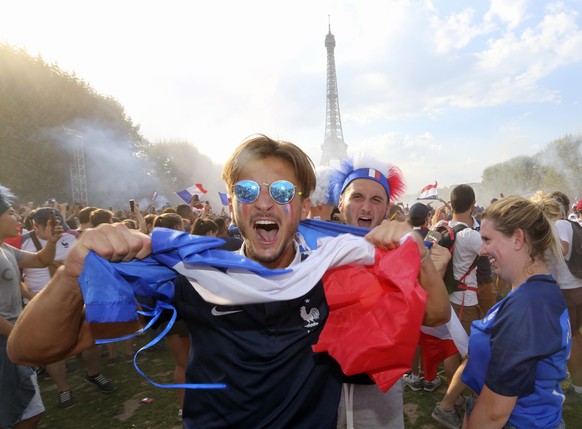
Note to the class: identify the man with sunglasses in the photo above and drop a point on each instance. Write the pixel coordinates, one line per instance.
(263, 351)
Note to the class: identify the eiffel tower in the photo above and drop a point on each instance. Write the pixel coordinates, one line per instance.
(334, 150)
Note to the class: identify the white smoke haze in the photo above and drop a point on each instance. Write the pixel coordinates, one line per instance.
(113, 173)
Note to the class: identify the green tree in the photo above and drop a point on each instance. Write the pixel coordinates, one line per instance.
(40, 105)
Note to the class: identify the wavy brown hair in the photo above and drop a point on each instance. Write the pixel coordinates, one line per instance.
(260, 146)
(170, 220)
(202, 226)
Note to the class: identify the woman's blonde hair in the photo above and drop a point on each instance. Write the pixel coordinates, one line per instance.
(515, 212)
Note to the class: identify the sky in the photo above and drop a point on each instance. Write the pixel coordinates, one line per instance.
(441, 89)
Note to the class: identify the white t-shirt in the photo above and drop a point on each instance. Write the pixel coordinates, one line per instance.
(37, 278)
(467, 246)
(559, 269)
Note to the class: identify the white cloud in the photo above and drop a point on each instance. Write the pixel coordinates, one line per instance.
(417, 80)
(511, 12)
(456, 31)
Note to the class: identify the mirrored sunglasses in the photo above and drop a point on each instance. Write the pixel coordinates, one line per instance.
(281, 191)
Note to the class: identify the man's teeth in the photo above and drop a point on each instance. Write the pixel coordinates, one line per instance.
(264, 222)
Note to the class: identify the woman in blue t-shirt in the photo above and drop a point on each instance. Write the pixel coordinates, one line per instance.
(518, 352)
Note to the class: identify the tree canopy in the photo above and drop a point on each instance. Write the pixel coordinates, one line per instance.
(46, 114)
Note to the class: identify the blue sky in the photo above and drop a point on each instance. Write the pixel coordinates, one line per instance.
(442, 89)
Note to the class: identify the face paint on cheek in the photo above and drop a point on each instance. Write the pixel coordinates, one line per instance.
(286, 209)
(243, 209)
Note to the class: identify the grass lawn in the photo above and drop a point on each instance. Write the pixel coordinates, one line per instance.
(123, 408)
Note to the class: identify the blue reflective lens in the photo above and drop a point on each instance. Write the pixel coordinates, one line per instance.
(281, 191)
(247, 191)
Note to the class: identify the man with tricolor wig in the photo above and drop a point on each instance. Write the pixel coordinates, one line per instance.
(257, 319)
(363, 187)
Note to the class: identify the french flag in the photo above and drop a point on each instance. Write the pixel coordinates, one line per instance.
(374, 173)
(429, 192)
(376, 307)
(187, 193)
(223, 198)
(440, 342)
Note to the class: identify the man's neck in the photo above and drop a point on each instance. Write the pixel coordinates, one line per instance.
(464, 217)
(296, 258)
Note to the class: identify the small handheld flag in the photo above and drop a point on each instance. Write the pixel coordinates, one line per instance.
(223, 198)
(187, 193)
(429, 192)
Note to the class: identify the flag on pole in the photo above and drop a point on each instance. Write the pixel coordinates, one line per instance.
(429, 192)
(187, 193)
(223, 198)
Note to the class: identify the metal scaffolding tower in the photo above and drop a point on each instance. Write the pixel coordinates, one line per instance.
(334, 149)
(77, 168)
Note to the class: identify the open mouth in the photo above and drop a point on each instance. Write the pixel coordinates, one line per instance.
(266, 230)
(493, 262)
(365, 221)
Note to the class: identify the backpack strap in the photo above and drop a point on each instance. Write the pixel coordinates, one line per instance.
(462, 284)
(34, 239)
(453, 233)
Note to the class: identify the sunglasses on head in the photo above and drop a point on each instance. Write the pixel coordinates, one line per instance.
(281, 191)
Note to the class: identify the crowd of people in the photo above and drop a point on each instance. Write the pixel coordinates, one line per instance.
(509, 260)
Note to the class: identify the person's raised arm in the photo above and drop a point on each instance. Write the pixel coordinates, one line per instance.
(52, 327)
(438, 307)
(139, 218)
(45, 256)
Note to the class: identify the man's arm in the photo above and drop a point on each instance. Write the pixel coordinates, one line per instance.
(53, 326)
(440, 257)
(438, 307)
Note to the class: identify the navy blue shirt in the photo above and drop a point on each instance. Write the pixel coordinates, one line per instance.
(520, 349)
(263, 353)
